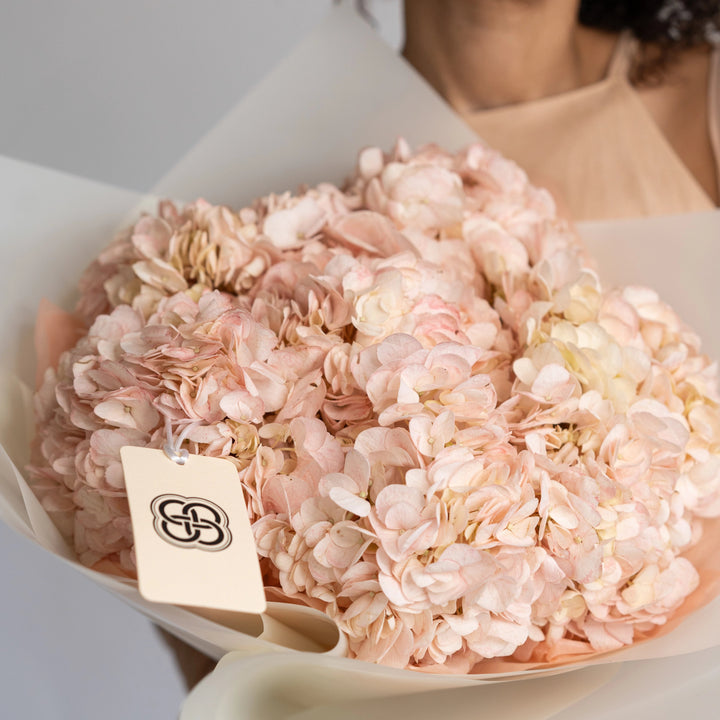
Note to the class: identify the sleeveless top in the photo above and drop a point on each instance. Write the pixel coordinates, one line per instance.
(598, 149)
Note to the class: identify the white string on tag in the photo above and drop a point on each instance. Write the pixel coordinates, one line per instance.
(173, 448)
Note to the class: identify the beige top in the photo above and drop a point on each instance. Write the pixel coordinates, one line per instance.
(599, 150)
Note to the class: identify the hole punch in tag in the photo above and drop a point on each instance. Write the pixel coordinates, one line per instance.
(193, 542)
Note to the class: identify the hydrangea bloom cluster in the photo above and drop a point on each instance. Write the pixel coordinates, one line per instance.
(453, 441)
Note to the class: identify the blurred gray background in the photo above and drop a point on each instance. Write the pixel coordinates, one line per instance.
(118, 91)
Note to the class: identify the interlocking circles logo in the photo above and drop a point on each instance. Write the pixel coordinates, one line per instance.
(191, 522)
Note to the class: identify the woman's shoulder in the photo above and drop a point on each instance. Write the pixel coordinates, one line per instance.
(681, 98)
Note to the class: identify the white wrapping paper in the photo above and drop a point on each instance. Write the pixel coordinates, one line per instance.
(295, 126)
(339, 90)
(294, 687)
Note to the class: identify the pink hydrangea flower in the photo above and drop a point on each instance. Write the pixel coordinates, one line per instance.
(453, 439)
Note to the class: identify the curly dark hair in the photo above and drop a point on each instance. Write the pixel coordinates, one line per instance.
(684, 23)
(663, 27)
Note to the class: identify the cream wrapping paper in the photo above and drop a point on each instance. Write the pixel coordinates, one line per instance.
(295, 126)
(291, 687)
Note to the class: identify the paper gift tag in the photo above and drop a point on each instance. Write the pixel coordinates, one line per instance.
(193, 542)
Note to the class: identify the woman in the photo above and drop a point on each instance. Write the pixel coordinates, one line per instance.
(613, 105)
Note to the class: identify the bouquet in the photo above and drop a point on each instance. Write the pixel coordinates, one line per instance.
(453, 440)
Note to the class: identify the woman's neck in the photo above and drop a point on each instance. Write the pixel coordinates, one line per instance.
(481, 54)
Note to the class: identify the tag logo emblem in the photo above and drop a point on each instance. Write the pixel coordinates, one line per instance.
(191, 522)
